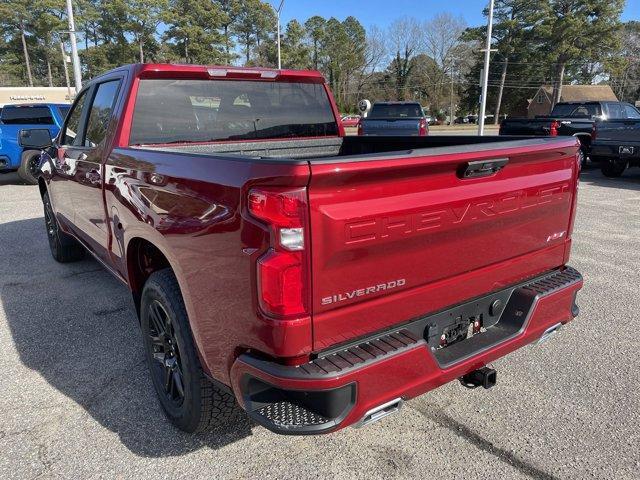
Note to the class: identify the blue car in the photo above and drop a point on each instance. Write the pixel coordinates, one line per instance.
(13, 119)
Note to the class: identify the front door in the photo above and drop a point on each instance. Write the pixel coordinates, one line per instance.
(69, 148)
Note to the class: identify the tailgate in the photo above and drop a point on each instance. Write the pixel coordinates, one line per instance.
(525, 127)
(627, 130)
(400, 236)
(391, 127)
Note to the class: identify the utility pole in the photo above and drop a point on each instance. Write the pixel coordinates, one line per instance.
(66, 70)
(77, 76)
(485, 79)
(278, 10)
(451, 98)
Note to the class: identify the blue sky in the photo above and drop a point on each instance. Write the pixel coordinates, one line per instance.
(383, 12)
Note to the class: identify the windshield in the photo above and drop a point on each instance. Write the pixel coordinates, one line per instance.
(390, 110)
(576, 110)
(176, 111)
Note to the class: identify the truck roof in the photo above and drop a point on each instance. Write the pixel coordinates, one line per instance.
(44, 104)
(206, 72)
(396, 103)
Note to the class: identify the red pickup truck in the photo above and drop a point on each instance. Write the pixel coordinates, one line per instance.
(316, 279)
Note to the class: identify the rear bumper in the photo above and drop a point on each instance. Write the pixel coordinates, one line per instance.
(340, 387)
(611, 150)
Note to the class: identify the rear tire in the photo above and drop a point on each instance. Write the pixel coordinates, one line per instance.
(64, 248)
(584, 150)
(189, 399)
(613, 168)
(29, 167)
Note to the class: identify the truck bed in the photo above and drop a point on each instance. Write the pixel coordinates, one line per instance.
(402, 214)
(336, 148)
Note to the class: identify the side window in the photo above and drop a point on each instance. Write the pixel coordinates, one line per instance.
(100, 113)
(616, 110)
(72, 129)
(631, 112)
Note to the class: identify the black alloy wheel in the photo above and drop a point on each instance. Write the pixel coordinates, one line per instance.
(187, 396)
(51, 225)
(64, 248)
(167, 367)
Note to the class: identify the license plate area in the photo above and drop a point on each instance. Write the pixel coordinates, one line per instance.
(463, 322)
(468, 329)
(625, 150)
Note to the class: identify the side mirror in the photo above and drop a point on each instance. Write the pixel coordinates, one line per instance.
(36, 138)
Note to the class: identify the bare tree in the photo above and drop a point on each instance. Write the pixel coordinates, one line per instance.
(406, 41)
(442, 42)
(374, 57)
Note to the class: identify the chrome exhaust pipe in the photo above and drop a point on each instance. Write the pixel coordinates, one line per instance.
(549, 332)
(380, 412)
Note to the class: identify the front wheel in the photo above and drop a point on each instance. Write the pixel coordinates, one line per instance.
(190, 401)
(30, 167)
(613, 169)
(64, 248)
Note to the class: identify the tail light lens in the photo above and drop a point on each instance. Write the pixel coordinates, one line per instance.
(594, 131)
(360, 127)
(553, 130)
(282, 271)
(423, 128)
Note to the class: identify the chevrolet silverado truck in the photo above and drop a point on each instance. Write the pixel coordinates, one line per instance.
(570, 119)
(14, 119)
(616, 144)
(317, 280)
(394, 119)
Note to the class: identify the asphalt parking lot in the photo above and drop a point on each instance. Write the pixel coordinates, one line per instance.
(76, 400)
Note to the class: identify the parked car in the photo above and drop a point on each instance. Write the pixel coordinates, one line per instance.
(13, 119)
(615, 143)
(319, 280)
(350, 120)
(396, 119)
(568, 119)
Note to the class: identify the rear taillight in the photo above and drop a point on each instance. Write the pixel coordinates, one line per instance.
(360, 127)
(282, 271)
(594, 131)
(553, 130)
(423, 128)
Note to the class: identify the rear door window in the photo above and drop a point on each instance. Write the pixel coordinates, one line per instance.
(26, 115)
(182, 111)
(616, 111)
(100, 113)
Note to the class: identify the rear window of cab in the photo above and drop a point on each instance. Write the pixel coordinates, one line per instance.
(26, 115)
(182, 111)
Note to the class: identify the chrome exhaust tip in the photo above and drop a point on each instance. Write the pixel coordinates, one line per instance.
(380, 412)
(549, 332)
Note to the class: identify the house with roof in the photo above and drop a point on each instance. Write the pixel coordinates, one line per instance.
(542, 101)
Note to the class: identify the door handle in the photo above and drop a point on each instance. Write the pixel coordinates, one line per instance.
(93, 176)
(82, 157)
(482, 168)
